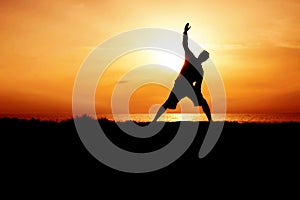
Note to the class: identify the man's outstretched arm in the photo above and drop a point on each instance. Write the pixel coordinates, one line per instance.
(185, 39)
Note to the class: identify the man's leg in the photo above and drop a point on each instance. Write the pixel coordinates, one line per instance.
(205, 106)
(206, 109)
(159, 113)
(170, 103)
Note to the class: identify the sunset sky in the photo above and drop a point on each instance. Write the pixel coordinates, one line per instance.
(254, 44)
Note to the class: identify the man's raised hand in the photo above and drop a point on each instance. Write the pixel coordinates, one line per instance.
(187, 27)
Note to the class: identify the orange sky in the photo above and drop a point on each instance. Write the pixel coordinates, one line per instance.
(254, 44)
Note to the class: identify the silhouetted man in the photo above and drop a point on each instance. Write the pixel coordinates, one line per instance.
(191, 74)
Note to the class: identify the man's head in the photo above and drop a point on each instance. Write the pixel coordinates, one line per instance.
(203, 56)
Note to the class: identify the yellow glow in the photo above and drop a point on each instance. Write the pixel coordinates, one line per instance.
(167, 59)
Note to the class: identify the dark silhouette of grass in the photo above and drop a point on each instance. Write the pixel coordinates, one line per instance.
(53, 149)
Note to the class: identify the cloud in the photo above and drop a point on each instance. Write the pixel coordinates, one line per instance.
(284, 32)
(121, 82)
(230, 46)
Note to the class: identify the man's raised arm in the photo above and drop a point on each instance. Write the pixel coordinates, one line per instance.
(185, 38)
